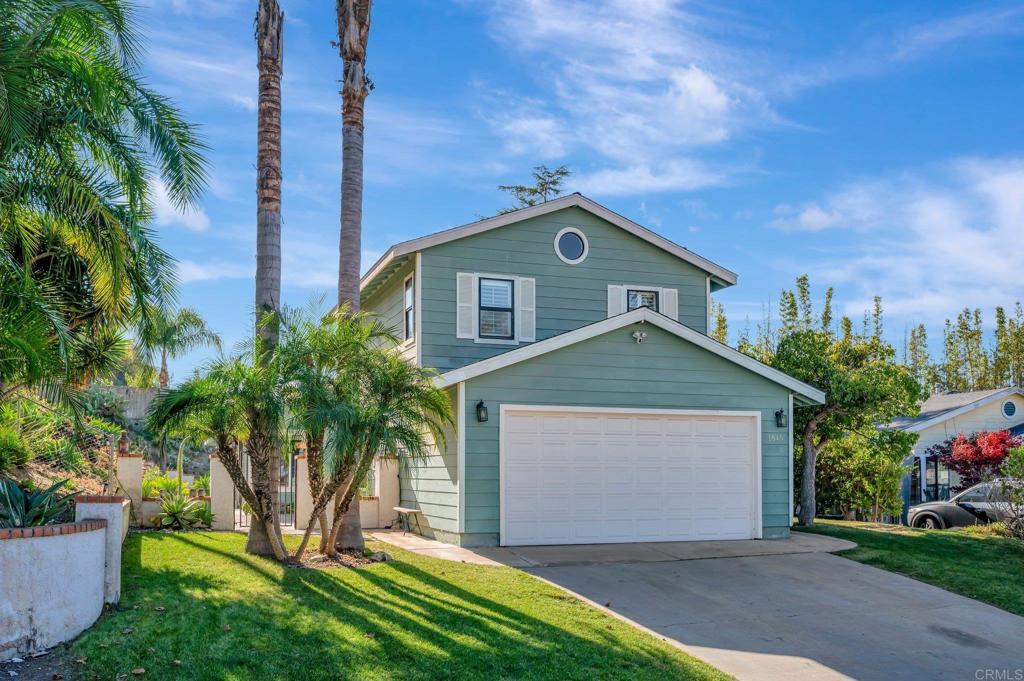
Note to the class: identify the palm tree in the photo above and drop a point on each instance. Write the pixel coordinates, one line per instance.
(353, 34)
(381, 405)
(81, 141)
(319, 350)
(234, 401)
(269, 50)
(176, 332)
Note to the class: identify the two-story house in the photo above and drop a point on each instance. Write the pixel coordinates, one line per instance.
(591, 405)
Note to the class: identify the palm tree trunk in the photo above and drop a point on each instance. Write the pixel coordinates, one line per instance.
(165, 375)
(269, 48)
(353, 34)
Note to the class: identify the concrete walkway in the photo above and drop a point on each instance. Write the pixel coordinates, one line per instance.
(607, 554)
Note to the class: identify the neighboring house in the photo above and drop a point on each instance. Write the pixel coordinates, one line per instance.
(944, 416)
(591, 406)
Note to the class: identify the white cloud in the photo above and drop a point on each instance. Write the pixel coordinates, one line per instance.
(674, 175)
(190, 271)
(929, 243)
(166, 214)
(639, 83)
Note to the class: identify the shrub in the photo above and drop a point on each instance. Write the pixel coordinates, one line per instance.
(179, 512)
(14, 451)
(975, 457)
(22, 506)
(1013, 487)
(202, 484)
(155, 483)
(102, 403)
(204, 515)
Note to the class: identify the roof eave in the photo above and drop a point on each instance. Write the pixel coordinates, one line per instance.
(720, 276)
(804, 395)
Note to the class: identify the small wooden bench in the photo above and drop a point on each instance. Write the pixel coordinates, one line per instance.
(404, 514)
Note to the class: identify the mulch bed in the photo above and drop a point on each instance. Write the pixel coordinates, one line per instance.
(349, 559)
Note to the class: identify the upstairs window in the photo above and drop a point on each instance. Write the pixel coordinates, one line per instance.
(496, 308)
(623, 298)
(410, 308)
(571, 246)
(641, 298)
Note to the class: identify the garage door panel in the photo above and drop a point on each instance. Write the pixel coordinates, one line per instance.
(595, 477)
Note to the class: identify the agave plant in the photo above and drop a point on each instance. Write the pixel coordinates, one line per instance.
(22, 507)
(179, 512)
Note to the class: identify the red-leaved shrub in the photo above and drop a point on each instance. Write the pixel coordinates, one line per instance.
(975, 457)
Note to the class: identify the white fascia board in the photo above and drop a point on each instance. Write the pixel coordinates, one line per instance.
(727, 277)
(953, 413)
(643, 314)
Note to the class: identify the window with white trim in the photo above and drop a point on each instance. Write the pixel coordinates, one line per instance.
(641, 298)
(495, 308)
(1009, 409)
(497, 319)
(624, 298)
(409, 302)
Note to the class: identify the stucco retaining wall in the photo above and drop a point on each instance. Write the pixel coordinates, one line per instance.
(55, 579)
(52, 586)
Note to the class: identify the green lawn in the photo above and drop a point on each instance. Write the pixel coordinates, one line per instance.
(972, 563)
(197, 599)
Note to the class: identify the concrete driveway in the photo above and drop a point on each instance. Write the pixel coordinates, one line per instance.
(805, 616)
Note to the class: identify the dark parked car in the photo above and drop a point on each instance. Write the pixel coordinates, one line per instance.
(983, 503)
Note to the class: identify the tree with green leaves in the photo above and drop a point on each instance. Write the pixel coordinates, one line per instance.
(918, 358)
(317, 351)
(859, 475)
(353, 19)
(862, 382)
(380, 405)
(174, 333)
(720, 328)
(236, 402)
(547, 184)
(82, 142)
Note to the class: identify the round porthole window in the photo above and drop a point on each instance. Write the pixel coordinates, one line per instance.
(1009, 409)
(571, 246)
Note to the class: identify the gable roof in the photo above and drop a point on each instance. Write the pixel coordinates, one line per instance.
(805, 394)
(944, 406)
(396, 255)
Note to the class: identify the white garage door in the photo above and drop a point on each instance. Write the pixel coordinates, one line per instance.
(588, 476)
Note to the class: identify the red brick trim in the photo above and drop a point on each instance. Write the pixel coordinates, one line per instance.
(98, 499)
(129, 456)
(52, 530)
(300, 456)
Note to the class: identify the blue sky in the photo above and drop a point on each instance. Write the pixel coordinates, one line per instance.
(877, 146)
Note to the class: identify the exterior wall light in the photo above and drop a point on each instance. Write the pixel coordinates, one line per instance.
(481, 411)
(780, 418)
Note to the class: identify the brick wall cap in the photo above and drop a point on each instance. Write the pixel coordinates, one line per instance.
(52, 530)
(98, 499)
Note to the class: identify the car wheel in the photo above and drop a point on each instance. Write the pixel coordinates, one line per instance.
(929, 523)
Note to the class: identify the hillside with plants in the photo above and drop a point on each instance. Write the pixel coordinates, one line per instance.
(83, 143)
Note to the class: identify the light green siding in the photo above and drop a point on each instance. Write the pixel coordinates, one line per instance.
(612, 370)
(568, 296)
(388, 304)
(431, 485)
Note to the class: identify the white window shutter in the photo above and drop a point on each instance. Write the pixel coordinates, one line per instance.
(526, 290)
(615, 298)
(670, 303)
(465, 307)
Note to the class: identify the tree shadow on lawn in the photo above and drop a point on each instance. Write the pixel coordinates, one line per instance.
(232, 616)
